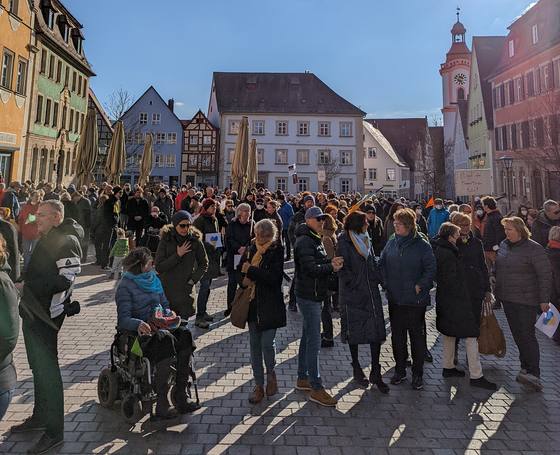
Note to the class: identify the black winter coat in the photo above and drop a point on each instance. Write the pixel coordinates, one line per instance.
(454, 316)
(522, 273)
(472, 258)
(84, 213)
(493, 231)
(553, 255)
(237, 236)
(313, 267)
(267, 309)
(361, 308)
(165, 205)
(10, 234)
(109, 213)
(71, 211)
(135, 208)
(541, 227)
(295, 223)
(376, 235)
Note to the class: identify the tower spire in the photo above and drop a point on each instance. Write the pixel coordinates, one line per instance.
(458, 10)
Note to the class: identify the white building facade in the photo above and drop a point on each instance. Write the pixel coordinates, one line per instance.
(296, 120)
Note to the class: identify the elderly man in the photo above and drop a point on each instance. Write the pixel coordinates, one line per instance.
(549, 216)
(45, 288)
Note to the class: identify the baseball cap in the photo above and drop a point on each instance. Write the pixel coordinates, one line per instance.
(314, 212)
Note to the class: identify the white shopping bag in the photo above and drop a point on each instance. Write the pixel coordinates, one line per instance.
(548, 325)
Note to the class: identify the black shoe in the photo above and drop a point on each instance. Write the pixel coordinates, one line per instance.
(46, 443)
(497, 305)
(336, 308)
(28, 425)
(360, 377)
(227, 312)
(397, 378)
(428, 357)
(417, 382)
(483, 383)
(164, 414)
(292, 307)
(182, 404)
(327, 343)
(408, 362)
(287, 259)
(452, 373)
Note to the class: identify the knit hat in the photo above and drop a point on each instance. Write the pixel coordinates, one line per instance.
(309, 197)
(117, 189)
(208, 202)
(181, 215)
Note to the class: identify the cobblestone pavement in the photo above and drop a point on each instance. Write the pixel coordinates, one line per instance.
(446, 417)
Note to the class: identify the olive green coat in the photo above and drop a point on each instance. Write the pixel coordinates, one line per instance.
(206, 224)
(175, 271)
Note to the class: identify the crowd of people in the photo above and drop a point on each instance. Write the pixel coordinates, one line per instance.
(161, 242)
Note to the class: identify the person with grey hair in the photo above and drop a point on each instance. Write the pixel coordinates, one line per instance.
(46, 287)
(238, 234)
(261, 268)
(548, 217)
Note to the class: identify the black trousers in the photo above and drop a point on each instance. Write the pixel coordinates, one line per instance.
(286, 239)
(408, 319)
(41, 344)
(106, 237)
(375, 349)
(84, 243)
(231, 287)
(521, 320)
(326, 318)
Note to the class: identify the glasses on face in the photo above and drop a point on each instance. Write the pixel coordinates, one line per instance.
(557, 212)
(370, 212)
(229, 206)
(320, 220)
(183, 225)
(465, 225)
(397, 224)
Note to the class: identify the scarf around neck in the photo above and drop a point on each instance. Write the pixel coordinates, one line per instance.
(148, 282)
(361, 243)
(256, 261)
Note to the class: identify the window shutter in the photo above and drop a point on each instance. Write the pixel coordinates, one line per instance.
(525, 134)
(502, 95)
(504, 138)
(539, 127)
(494, 102)
(514, 137)
(511, 93)
(522, 88)
(538, 80)
(530, 84)
(497, 138)
(550, 76)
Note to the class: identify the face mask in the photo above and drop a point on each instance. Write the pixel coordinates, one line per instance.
(419, 211)
(184, 190)
(260, 206)
(523, 212)
(33, 203)
(479, 212)
(154, 214)
(439, 207)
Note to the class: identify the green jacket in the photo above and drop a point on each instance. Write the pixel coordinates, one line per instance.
(175, 271)
(206, 224)
(120, 249)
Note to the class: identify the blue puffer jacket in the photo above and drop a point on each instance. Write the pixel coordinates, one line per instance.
(135, 305)
(436, 219)
(286, 212)
(404, 263)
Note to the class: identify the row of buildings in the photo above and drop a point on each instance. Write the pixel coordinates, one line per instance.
(502, 106)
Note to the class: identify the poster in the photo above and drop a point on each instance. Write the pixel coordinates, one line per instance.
(215, 239)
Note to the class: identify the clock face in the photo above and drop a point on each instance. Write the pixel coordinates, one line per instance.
(460, 79)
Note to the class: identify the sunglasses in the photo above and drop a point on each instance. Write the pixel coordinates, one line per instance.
(557, 212)
(183, 226)
(230, 206)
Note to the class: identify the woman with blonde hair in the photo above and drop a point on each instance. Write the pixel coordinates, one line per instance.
(523, 285)
(331, 300)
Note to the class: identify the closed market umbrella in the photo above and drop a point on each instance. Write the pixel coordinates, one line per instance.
(147, 162)
(87, 150)
(240, 158)
(252, 168)
(116, 158)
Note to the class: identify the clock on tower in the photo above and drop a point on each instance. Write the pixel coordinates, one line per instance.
(460, 79)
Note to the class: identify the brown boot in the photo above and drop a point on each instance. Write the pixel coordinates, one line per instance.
(256, 395)
(271, 384)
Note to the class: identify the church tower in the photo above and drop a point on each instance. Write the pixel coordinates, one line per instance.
(455, 77)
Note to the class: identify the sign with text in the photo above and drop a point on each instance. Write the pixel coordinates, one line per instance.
(472, 182)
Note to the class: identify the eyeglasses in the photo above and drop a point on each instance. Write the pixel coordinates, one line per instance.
(229, 206)
(369, 212)
(465, 225)
(397, 224)
(183, 226)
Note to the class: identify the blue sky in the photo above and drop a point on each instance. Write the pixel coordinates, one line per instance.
(383, 56)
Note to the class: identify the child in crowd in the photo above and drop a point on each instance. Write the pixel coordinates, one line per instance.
(118, 253)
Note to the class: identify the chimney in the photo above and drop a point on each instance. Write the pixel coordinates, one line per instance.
(171, 104)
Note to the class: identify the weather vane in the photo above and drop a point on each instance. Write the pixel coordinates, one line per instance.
(458, 9)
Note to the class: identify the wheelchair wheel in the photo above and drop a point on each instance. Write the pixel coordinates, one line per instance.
(107, 388)
(131, 409)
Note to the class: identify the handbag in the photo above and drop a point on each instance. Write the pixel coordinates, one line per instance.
(491, 339)
(240, 307)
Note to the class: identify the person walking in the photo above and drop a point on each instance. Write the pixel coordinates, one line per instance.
(312, 270)
(45, 287)
(119, 251)
(361, 309)
(523, 284)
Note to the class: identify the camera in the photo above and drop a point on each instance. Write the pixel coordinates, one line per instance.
(72, 308)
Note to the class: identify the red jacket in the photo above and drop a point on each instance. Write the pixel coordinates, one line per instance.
(2, 193)
(178, 200)
(28, 231)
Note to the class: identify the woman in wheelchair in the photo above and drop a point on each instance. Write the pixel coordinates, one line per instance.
(138, 295)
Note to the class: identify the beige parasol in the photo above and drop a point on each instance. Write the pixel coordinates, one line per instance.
(116, 158)
(240, 158)
(252, 167)
(147, 163)
(87, 150)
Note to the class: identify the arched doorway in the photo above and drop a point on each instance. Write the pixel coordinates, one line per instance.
(537, 198)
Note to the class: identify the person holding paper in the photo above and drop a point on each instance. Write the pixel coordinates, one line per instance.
(523, 285)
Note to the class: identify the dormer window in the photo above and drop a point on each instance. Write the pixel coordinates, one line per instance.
(511, 48)
(535, 34)
(50, 18)
(65, 32)
(77, 38)
(79, 45)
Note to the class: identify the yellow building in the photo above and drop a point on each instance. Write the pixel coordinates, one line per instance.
(17, 52)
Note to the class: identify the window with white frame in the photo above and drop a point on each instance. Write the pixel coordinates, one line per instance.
(13, 7)
(281, 156)
(258, 127)
(303, 128)
(372, 152)
(282, 128)
(172, 138)
(535, 34)
(169, 160)
(233, 127)
(230, 155)
(346, 129)
(207, 140)
(138, 137)
(391, 175)
(260, 156)
(160, 160)
(128, 135)
(21, 76)
(193, 139)
(143, 118)
(324, 128)
(344, 185)
(302, 157)
(156, 119)
(346, 157)
(7, 69)
(302, 184)
(372, 174)
(160, 138)
(281, 184)
(324, 156)
(511, 48)
(193, 161)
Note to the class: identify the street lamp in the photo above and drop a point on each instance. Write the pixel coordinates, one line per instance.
(507, 163)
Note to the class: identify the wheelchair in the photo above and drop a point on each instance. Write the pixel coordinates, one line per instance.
(130, 380)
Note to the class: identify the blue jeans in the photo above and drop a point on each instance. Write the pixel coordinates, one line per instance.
(5, 400)
(262, 344)
(203, 295)
(308, 356)
(28, 247)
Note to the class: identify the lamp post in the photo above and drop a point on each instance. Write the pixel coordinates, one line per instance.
(507, 163)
